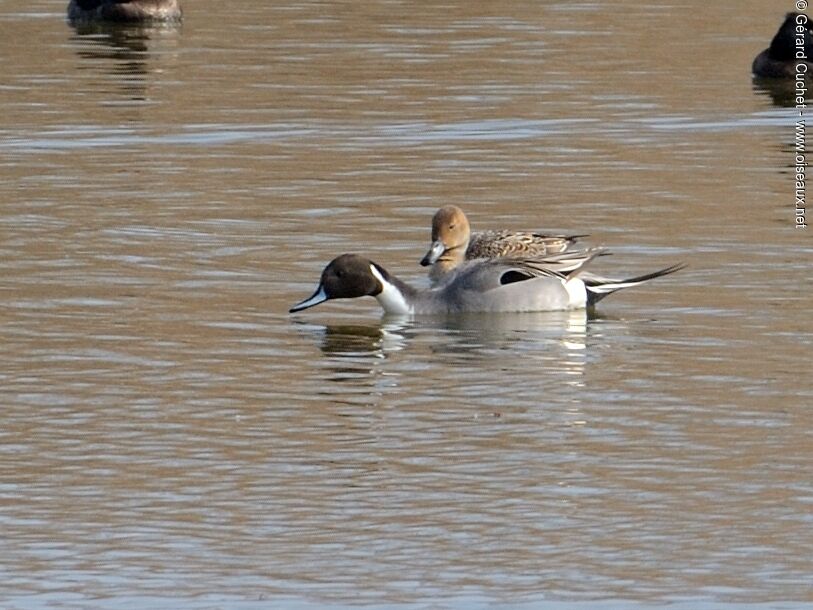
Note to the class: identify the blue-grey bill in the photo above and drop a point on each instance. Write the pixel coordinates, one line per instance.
(434, 253)
(318, 297)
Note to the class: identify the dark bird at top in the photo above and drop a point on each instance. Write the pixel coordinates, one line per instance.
(124, 11)
(780, 60)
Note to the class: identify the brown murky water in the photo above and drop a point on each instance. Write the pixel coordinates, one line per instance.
(171, 437)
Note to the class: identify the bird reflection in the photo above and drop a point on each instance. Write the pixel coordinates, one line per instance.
(122, 51)
(782, 92)
(458, 335)
(368, 362)
(360, 340)
(557, 340)
(352, 340)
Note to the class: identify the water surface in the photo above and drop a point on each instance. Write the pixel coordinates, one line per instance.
(171, 437)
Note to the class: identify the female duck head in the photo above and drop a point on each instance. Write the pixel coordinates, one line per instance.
(450, 231)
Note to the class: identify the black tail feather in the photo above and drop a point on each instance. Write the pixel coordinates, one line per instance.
(599, 287)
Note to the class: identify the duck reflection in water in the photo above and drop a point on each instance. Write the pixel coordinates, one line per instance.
(363, 340)
(455, 333)
(123, 50)
(556, 341)
(351, 340)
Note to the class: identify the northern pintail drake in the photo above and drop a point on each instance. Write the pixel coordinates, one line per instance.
(780, 60)
(453, 243)
(125, 11)
(483, 285)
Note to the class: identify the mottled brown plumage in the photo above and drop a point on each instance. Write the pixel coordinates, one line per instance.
(493, 244)
(453, 243)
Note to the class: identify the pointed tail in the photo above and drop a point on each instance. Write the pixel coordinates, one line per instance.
(599, 287)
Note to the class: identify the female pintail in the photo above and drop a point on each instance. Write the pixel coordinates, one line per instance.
(453, 243)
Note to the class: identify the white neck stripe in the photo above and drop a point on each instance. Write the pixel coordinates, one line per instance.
(390, 298)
